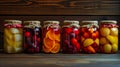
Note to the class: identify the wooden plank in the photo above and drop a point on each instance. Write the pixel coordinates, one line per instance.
(60, 7)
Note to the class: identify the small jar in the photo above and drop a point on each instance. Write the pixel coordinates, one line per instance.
(70, 37)
(32, 36)
(51, 37)
(90, 37)
(13, 36)
(108, 36)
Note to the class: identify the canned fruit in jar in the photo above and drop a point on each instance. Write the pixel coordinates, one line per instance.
(86, 35)
(107, 48)
(48, 43)
(18, 37)
(114, 31)
(111, 39)
(88, 42)
(14, 30)
(90, 49)
(17, 49)
(51, 42)
(104, 31)
(56, 48)
(103, 41)
(114, 47)
(27, 34)
(97, 41)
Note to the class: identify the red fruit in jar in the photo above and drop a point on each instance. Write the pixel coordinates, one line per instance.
(27, 34)
(86, 35)
(95, 35)
(76, 31)
(68, 30)
(94, 44)
(57, 31)
(74, 41)
(91, 30)
(31, 50)
(78, 46)
(38, 39)
(84, 30)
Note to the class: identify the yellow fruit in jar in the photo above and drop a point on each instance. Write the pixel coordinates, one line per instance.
(116, 39)
(111, 39)
(114, 47)
(103, 41)
(56, 48)
(97, 41)
(114, 31)
(104, 31)
(88, 42)
(107, 48)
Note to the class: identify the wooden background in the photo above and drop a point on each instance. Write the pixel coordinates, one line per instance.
(59, 7)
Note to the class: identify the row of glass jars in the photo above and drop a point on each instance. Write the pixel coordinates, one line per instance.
(51, 38)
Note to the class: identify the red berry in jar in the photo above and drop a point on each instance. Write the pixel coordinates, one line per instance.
(68, 30)
(86, 35)
(74, 41)
(27, 34)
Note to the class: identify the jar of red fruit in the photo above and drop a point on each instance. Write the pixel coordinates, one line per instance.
(13, 36)
(32, 36)
(90, 36)
(108, 36)
(70, 37)
(51, 37)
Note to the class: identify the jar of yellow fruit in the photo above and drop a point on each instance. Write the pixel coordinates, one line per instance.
(13, 36)
(108, 36)
(51, 37)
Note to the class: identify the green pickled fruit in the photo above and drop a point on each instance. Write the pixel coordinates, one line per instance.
(107, 48)
(114, 31)
(114, 47)
(104, 31)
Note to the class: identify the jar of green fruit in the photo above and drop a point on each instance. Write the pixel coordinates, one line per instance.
(108, 36)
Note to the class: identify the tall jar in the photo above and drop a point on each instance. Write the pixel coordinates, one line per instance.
(32, 36)
(70, 37)
(108, 36)
(90, 37)
(51, 37)
(13, 36)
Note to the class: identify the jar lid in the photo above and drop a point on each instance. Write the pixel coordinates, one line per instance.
(71, 22)
(13, 21)
(90, 22)
(31, 24)
(51, 22)
(109, 21)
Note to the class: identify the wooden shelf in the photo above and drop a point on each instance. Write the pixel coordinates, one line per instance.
(59, 60)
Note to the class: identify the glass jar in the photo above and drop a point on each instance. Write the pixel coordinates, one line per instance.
(108, 36)
(13, 36)
(70, 37)
(32, 36)
(90, 36)
(51, 37)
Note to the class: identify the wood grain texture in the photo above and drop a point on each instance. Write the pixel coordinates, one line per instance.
(60, 7)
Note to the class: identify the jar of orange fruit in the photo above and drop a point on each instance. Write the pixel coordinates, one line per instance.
(108, 36)
(90, 37)
(70, 37)
(51, 37)
(13, 36)
(32, 36)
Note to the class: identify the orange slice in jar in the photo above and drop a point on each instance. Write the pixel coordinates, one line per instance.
(46, 50)
(57, 37)
(56, 48)
(48, 43)
(50, 34)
